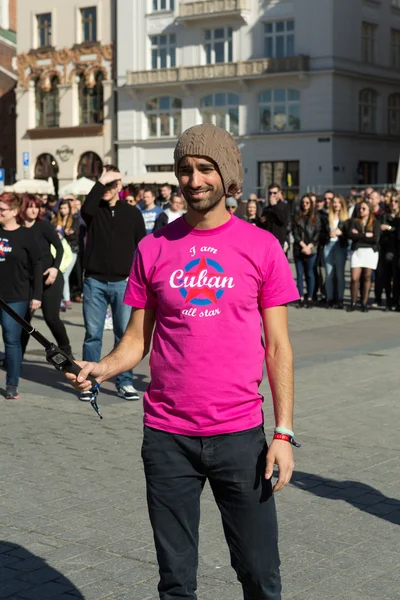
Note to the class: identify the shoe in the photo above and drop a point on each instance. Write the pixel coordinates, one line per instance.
(364, 308)
(330, 304)
(68, 304)
(77, 299)
(340, 305)
(11, 392)
(85, 396)
(128, 392)
(309, 304)
(63, 308)
(300, 304)
(351, 308)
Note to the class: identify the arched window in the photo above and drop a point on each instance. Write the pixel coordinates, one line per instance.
(222, 110)
(279, 110)
(47, 105)
(394, 114)
(90, 166)
(46, 166)
(164, 117)
(368, 101)
(91, 101)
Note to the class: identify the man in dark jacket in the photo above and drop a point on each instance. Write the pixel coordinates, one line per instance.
(276, 215)
(114, 229)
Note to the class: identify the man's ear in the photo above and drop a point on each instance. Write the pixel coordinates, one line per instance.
(233, 189)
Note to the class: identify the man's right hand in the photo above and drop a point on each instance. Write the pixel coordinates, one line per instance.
(80, 383)
(108, 177)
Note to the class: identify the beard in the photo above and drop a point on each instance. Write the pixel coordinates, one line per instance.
(203, 205)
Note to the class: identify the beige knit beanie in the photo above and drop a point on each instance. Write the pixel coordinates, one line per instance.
(217, 144)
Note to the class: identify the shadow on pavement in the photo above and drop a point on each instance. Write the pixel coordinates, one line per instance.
(22, 572)
(362, 496)
(38, 372)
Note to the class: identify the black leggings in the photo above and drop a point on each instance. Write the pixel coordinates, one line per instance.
(51, 300)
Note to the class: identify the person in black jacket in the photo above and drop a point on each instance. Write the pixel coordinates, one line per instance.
(306, 232)
(53, 281)
(19, 263)
(114, 230)
(364, 232)
(276, 215)
(387, 251)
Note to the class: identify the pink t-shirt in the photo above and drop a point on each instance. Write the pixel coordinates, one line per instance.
(207, 287)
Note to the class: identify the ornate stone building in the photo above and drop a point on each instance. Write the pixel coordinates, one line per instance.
(8, 80)
(65, 89)
(309, 88)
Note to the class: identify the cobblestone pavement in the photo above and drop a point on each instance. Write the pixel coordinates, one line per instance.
(73, 520)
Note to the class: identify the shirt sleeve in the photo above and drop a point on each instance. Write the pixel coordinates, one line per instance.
(278, 286)
(52, 238)
(138, 292)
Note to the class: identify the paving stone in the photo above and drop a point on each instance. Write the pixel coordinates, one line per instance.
(72, 493)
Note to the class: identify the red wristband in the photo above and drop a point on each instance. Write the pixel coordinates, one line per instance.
(286, 438)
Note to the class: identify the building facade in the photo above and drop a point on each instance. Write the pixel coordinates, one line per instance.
(309, 88)
(65, 101)
(8, 81)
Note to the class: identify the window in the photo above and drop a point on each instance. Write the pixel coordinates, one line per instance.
(91, 101)
(392, 168)
(44, 30)
(163, 5)
(279, 39)
(164, 117)
(222, 110)
(367, 172)
(163, 51)
(90, 166)
(395, 48)
(368, 43)
(47, 105)
(89, 24)
(46, 167)
(218, 45)
(282, 172)
(368, 111)
(279, 110)
(394, 114)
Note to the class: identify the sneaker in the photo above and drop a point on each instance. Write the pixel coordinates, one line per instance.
(63, 308)
(68, 304)
(85, 396)
(128, 392)
(11, 392)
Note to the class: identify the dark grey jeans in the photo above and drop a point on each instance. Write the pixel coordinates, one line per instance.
(176, 469)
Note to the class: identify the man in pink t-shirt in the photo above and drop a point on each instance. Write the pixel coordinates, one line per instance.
(202, 288)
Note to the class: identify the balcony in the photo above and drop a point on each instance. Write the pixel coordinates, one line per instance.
(191, 11)
(249, 69)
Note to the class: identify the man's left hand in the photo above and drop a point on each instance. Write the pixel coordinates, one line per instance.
(280, 453)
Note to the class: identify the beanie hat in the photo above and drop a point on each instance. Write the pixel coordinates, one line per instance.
(231, 203)
(217, 144)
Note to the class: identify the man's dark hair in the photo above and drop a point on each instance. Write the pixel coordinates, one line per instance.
(166, 185)
(274, 185)
(148, 188)
(329, 192)
(112, 168)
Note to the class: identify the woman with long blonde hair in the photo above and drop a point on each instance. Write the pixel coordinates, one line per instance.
(335, 250)
(365, 233)
(67, 226)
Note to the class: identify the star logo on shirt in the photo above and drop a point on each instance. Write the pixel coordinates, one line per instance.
(205, 291)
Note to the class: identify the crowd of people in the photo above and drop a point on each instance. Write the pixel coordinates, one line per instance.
(47, 244)
(325, 231)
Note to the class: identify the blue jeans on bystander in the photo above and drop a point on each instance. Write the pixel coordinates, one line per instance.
(97, 295)
(12, 341)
